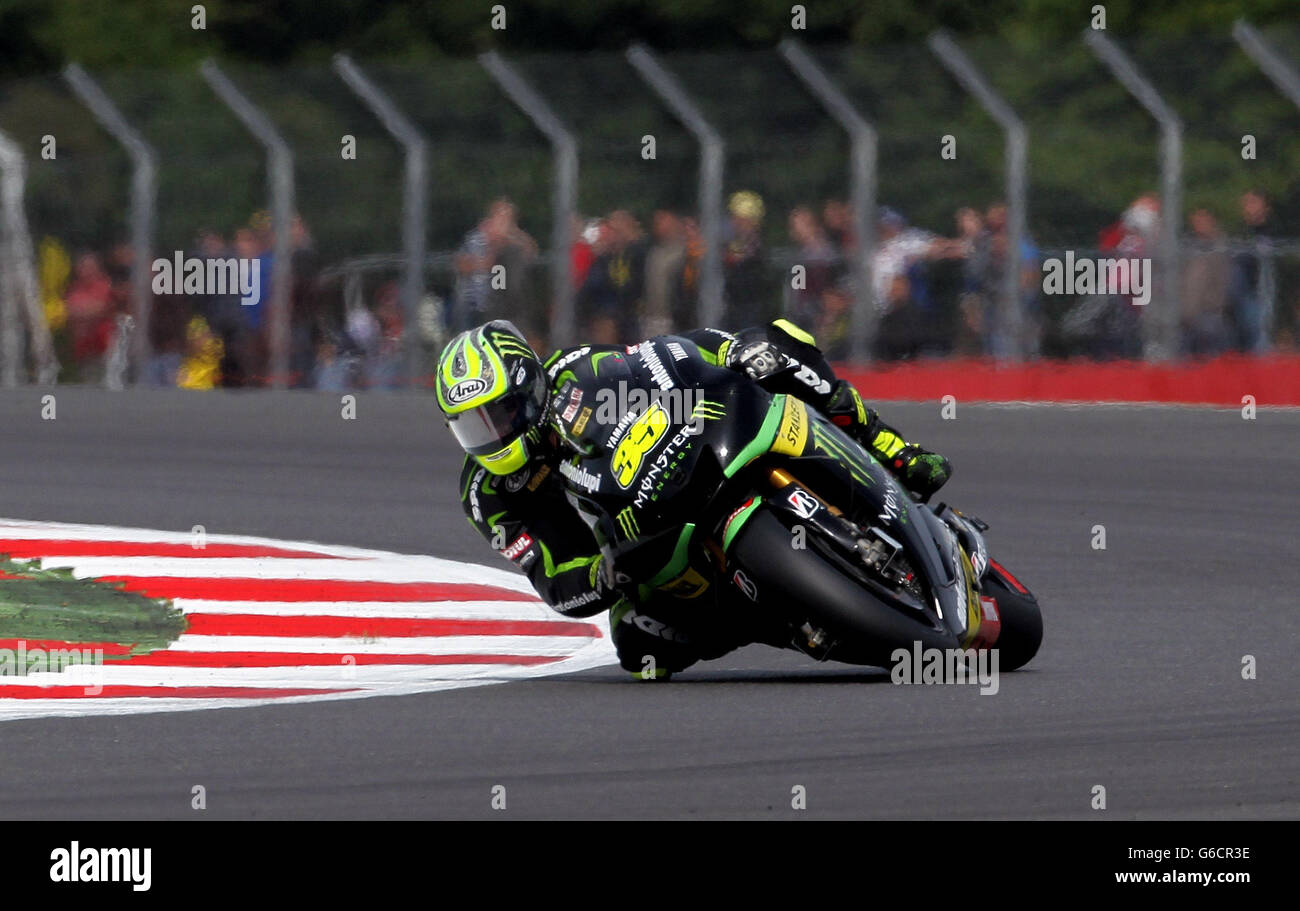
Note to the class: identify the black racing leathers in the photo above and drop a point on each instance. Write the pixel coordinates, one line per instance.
(526, 517)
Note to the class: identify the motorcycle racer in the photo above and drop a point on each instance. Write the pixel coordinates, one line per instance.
(516, 419)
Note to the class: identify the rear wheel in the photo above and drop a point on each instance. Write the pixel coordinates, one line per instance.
(805, 586)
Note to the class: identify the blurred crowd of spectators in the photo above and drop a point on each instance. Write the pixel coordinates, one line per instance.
(934, 295)
(200, 341)
(1227, 286)
(630, 283)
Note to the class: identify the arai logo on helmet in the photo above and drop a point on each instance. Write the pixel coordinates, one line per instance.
(465, 390)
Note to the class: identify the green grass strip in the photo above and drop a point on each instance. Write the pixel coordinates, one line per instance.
(40, 604)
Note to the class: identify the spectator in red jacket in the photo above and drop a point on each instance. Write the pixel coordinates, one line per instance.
(89, 306)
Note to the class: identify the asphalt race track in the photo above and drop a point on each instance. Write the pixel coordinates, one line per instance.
(1138, 687)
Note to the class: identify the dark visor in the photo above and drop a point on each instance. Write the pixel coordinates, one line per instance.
(492, 427)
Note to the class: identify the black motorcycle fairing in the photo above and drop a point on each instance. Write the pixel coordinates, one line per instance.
(657, 478)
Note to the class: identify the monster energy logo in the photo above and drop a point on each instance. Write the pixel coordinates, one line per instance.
(508, 344)
(842, 453)
(627, 522)
(707, 411)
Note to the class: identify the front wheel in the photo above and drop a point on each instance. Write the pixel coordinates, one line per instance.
(1022, 621)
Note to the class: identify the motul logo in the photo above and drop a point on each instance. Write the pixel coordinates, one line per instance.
(517, 547)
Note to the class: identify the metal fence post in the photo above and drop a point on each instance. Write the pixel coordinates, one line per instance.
(964, 71)
(279, 164)
(712, 154)
(862, 188)
(1160, 335)
(415, 200)
(11, 327)
(143, 212)
(1287, 80)
(19, 290)
(565, 149)
(1282, 74)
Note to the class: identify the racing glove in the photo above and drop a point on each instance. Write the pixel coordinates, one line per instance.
(921, 471)
(759, 360)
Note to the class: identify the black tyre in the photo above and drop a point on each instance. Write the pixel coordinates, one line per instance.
(804, 585)
(1022, 621)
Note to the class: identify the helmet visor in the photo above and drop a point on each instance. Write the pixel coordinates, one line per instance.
(490, 427)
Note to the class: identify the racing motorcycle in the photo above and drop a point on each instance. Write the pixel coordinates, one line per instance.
(699, 480)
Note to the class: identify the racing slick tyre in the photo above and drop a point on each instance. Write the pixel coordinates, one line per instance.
(1022, 621)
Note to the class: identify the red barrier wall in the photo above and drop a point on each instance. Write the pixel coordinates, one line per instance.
(1272, 380)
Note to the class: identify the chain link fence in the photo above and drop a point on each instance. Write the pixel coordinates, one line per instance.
(689, 163)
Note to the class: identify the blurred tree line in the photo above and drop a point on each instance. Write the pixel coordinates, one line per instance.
(1092, 148)
(38, 35)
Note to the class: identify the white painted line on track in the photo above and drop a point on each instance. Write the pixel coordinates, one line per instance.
(334, 564)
